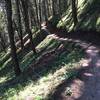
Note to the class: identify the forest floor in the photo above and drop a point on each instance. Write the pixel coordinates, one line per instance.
(58, 72)
(55, 62)
(87, 85)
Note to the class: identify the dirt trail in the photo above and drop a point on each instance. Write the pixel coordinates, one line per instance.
(87, 86)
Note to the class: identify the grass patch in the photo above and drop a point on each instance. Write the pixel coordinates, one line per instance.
(60, 69)
(25, 59)
(88, 16)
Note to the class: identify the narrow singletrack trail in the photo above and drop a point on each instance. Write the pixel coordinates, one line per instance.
(87, 86)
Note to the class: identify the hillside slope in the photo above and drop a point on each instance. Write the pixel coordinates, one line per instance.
(88, 16)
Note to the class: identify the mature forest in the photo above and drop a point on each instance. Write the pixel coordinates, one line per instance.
(49, 49)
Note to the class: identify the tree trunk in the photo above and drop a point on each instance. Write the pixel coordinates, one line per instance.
(19, 23)
(33, 21)
(26, 20)
(60, 8)
(48, 6)
(53, 8)
(40, 13)
(45, 10)
(2, 42)
(74, 12)
(11, 37)
(37, 15)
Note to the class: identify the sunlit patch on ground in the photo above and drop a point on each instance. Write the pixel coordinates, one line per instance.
(61, 69)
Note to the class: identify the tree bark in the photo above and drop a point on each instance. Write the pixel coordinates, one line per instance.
(19, 23)
(45, 10)
(33, 21)
(74, 12)
(37, 15)
(60, 8)
(48, 6)
(53, 8)
(8, 6)
(2, 42)
(40, 14)
(26, 20)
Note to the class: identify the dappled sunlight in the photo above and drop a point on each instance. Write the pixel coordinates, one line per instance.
(49, 50)
(98, 23)
(47, 84)
(91, 17)
(27, 56)
(6, 71)
(81, 3)
(6, 62)
(5, 56)
(44, 43)
(88, 19)
(86, 62)
(2, 54)
(61, 69)
(92, 50)
(88, 74)
(77, 88)
(80, 87)
(27, 60)
(98, 63)
(3, 79)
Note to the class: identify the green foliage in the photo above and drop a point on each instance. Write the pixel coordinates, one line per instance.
(88, 16)
(58, 69)
(27, 60)
(66, 20)
(38, 98)
(2, 21)
(4, 57)
(98, 24)
(54, 20)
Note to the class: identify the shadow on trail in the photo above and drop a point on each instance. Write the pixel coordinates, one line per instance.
(87, 36)
(86, 86)
(35, 71)
(90, 36)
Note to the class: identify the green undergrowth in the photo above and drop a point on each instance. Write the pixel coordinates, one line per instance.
(5, 57)
(25, 59)
(47, 79)
(88, 16)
